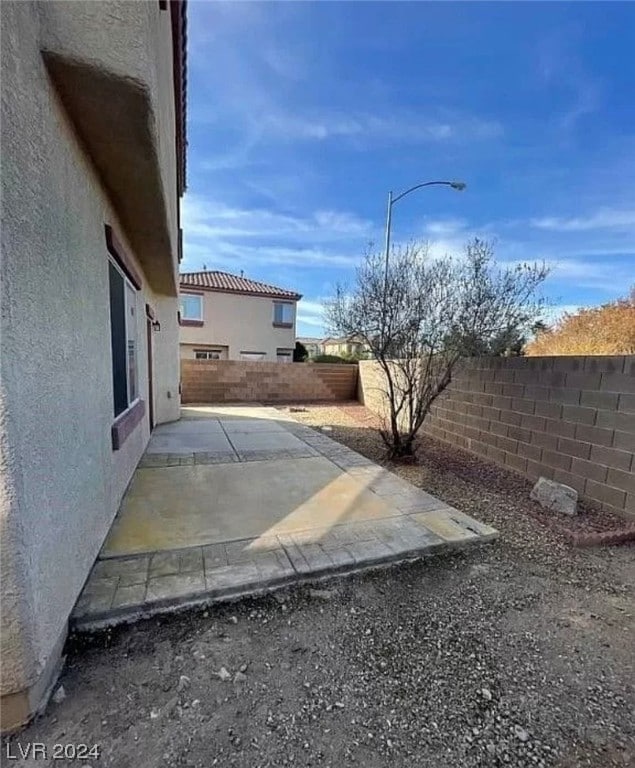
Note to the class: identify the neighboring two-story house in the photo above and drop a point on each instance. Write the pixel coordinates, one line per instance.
(229, 317)
(346, 345)
(93, 167)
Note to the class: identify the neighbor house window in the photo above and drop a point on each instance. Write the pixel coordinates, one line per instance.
(191, 307)
(123, 337)
(284, 355)
(207, 354)
(253, 355)
(282, 313)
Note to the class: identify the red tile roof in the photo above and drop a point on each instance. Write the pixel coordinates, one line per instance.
(226, 283)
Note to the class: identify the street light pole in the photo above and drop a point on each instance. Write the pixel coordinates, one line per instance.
(388, 223)
(459, 186)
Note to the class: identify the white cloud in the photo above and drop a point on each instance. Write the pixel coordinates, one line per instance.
(232, 238)
(311, 313)
(207, 218)
(403, 127)
(604, 218)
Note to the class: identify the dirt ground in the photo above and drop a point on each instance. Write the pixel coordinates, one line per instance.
(519, 653)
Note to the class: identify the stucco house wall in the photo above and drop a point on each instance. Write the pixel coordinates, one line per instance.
(61, 482)
(241, 323)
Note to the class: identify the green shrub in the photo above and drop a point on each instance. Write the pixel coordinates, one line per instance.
(300, 354)
(331, 359)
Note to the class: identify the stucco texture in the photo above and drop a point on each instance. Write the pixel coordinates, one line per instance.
(238, 322)
(112, 66)
(61, 482)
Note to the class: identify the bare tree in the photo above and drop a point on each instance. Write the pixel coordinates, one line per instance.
(423, 314)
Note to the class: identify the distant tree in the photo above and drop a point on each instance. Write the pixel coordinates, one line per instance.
(605, 330)
(422, 314)
(332, 359)
(300, 353)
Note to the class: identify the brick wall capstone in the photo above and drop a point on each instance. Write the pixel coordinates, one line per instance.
(225, 381)
(571, 419)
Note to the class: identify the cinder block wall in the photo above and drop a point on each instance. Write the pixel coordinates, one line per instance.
(224, 381)
(571, 419)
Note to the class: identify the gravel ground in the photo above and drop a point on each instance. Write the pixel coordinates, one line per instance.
(518, 653)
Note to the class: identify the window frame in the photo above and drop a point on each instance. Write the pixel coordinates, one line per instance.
(282, 323)
(208, 352)
(130, 333)
(185, 319)
(284, 352)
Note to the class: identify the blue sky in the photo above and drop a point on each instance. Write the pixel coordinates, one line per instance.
(302, 116)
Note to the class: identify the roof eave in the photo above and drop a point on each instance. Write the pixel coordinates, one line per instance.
(209, 289)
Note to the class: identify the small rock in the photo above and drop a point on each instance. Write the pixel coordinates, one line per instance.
(233, 620)
(554, 496)
(486, 694)
(224, 674)
(154, 714)
(184, 682)
(326, 429)
(321, 594)
(240, 677)
(59, 695)
(521, 733)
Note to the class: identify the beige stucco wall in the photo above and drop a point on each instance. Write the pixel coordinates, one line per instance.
(240, 323)
(122, 38)
(338, 349)
(60, 481)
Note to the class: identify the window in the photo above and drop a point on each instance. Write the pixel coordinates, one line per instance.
(123, 339)
(282, 313)
(191, 307)
(284, 355)
(207, 354)
(253, 355)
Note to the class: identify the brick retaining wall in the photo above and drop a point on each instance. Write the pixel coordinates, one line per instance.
(571, 419)
(224, 381)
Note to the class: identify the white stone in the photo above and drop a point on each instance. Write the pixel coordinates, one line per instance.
(554, 496)
(59, 695)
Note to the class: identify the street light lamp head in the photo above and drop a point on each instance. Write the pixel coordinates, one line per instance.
(458, 185)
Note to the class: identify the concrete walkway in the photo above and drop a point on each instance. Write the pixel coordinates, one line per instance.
(236, 500)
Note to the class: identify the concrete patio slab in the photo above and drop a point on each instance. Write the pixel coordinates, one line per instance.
(244, 426)
(283, 504)
(265, 441)
(189, 427)
(185, 506)
(190, 442)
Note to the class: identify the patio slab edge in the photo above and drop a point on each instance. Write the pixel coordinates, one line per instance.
(260, 586)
